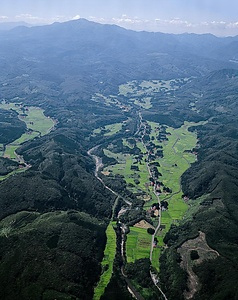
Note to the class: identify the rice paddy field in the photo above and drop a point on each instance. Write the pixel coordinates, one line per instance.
(37, 124)
(34, 118)
(176, 160)
(37, 121)
(107, 263)
(123, 167)
(138, 244)
(108, 130)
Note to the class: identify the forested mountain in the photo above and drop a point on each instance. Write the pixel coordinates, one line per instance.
(53, 216)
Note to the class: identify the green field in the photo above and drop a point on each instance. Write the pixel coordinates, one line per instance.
(138, 244)
(123, 167)
(12, 173)
(34, 118)
(176, 160)
(26, 137)
(10, 151)
(174, 163)
(41, 123)
(108, 130)
(145, 88)
(107, 263)
(113, 129)
(127, 144)
(144, 102)
(37, 124)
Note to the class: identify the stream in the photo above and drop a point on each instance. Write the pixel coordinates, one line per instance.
(98, 167)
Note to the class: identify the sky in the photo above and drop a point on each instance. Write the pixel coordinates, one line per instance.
(219, 17)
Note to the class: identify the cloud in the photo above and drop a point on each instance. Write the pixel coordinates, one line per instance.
(174, 25)
(40, 20)
(76, 17)
(232, 25)
(3, 17)
(28, 17)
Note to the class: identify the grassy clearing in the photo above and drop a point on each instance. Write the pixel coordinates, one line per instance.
(145, 88)
(33, 117)
(140, 93)
(127, 144)
(125, 161)
(107, 263)
(12, 173)
(37, 124)
(10, 151)
(138, 244)
(113, 129)
(175, 161)
(127, 88)
(37, 121)
(108, 130)
(144, 102)
(26, 137)
(156, 253)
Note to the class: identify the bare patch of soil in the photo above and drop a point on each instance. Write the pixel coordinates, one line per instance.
(204, 251)
(143, 224)
(106, 173)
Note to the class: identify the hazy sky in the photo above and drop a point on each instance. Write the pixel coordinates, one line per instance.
(201, 16)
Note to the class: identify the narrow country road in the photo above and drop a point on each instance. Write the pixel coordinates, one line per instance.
(153, 276)
(99, 165)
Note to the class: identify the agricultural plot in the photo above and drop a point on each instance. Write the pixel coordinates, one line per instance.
(127, 144)
(137, 180)
(157, 252)
(113, 129)
(136, 88)
(10, 151)
(107, 263)
(138, 244)
(139, 92)
(26, 137)
(108, 130)
(33, 117)
(176, 160)
(144, 102)
(37, 125)
(37, 121)
(17, 171)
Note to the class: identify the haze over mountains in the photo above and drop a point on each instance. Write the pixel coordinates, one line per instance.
(89, 53)
(55, 214)
(11, 25)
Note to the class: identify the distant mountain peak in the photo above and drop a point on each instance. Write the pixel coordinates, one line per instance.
(11, 25)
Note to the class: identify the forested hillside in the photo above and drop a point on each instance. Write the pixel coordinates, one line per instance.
(112, 90)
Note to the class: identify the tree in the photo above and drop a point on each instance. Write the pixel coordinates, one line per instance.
(194, 255)
(151, 231)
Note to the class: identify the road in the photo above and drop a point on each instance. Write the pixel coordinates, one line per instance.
(154, 190)
(99, 165)
(153, 276)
